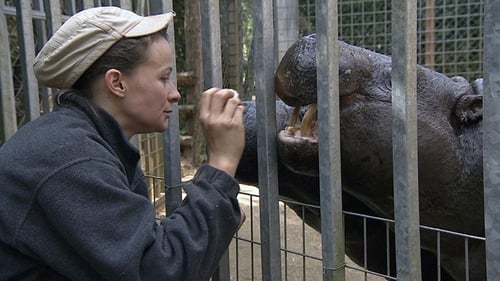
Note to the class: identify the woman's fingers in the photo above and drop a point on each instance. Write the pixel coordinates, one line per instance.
(214, 100)
(221, 116)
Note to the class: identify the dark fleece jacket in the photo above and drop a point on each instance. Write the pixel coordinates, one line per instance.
(74, 206)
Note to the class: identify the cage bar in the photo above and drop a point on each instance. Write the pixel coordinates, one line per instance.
(404, 140)
(332, 230)
(8, 125)
(264, 62)
(29, 82)
(491, 137)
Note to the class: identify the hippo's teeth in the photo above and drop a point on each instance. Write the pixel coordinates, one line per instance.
(310, 117)
(293, 125)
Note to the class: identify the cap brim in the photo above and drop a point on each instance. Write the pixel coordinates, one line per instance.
(150, 24)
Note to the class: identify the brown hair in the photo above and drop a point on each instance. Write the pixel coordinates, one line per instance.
(124, 56)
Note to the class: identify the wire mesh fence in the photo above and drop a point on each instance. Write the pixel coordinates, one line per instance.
(300, 243)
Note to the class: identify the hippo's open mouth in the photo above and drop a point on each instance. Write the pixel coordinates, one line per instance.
(298, 141)
(305, 129)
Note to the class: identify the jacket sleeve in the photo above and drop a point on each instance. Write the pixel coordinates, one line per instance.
(113, 232)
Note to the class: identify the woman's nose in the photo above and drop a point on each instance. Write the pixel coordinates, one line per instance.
(174, 94)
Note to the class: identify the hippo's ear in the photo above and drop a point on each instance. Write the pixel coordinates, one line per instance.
(469, 108)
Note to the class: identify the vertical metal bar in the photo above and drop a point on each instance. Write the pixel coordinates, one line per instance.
(491, 136)
(466, 261)
(264, 69)
(332, 227)
(53, 20)
(126, 4)
(287, 25)
(438, 247)
(365, 248)
(210, 33)
(27, 48)
(40, 35)
(53, 17)
(388, 250)
(404, 139)
(87, 4)
(171, 142)
(8, 124)
(285, 240)
(69, 7)
(212, 73)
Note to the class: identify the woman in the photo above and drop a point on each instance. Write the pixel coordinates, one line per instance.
(74, 202)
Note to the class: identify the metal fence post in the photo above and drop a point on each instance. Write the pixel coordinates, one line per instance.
(265, 65)
(27, 45)
(491, 137)
(212, 73)
(332, 227)
(8, 124)
(404, 139)
(286, 24)
(171, 142)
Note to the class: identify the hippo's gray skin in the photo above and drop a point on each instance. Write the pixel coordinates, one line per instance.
(449, 154)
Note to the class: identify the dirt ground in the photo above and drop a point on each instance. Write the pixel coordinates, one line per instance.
(302, 260)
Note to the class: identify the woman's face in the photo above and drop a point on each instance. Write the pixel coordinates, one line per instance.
(150, 93)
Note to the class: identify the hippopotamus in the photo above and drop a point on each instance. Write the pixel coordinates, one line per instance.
(450, 164)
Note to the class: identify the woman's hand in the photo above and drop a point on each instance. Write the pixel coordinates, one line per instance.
(221, 117)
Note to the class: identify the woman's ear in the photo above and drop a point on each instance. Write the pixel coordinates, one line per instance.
(114, 82)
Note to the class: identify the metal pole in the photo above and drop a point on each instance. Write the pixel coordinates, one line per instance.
(212, 73)
(27, 46)
(266, 139)
(332, 227)
(491, 139)
(404, 139)
(171, 142)
(8, 123)
(287, 25)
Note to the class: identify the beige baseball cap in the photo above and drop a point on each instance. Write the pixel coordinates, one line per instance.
(85, 37)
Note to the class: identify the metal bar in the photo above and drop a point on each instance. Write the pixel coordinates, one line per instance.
(466, 259)
(404, 139)
(332, 227)
(126, 4)
(53, 16)
(287, 25)
(388, 249)
(438, 249)
(53, 20)
(40, 36)
(87, 4)
(264, 63)
(171, 142)
(27, 46)
(212, 73)
(491, 136)
(210, 32)
(70, 7)
(8, 124)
